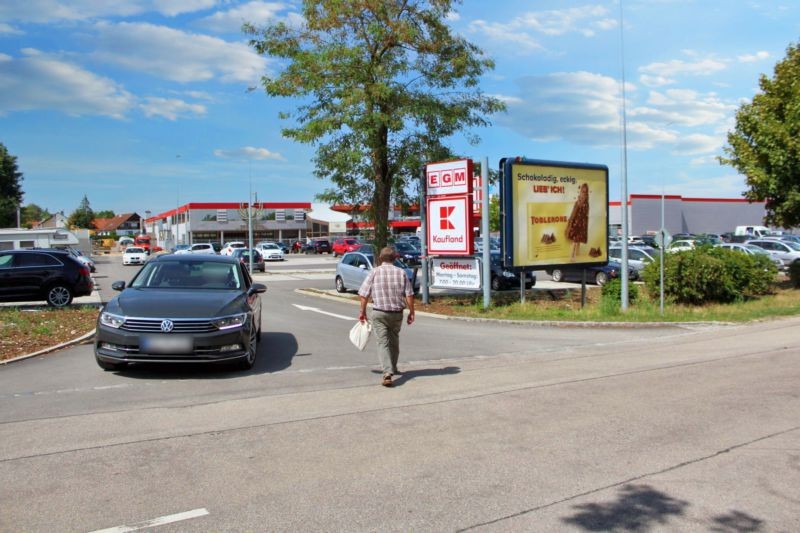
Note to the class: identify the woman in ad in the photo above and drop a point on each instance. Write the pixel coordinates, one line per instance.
(578, 223)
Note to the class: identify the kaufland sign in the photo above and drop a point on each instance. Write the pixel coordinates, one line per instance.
(449, 231)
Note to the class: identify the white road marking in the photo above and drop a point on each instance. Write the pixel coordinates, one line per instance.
(314, 309)
(160, 521)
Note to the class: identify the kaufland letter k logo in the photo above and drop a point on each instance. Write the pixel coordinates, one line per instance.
(444, 217)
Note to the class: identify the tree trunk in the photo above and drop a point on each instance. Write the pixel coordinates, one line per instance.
(381, 198)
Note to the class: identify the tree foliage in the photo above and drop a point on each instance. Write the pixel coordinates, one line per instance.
(108, 213)
(10, 188)
(32, 213)
(83, 216)
(382, 84)
(765, 144)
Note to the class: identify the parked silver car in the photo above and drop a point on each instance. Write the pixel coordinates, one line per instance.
(752, 249)
(788, 252)
(638, 256)
(354, 268)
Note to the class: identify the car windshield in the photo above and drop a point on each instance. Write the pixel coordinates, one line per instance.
(134, 251)
(188, 275)
(793, 245)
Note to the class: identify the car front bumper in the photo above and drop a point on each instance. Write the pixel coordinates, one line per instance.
(120, 346)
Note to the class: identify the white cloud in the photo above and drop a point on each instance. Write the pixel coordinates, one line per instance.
(580, 107)
(7, 29)
(230, 21)
(176, 55)
(43, 11)
(584, 108)
(37, 81)
(499, 33)
(170, 108)
(586, 21)
(249, 152)
(664, 73)
(752, 58)
(698, 143)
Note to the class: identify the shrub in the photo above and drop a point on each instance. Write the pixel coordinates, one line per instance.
(611, 296)
(794, 274)
(711, 275)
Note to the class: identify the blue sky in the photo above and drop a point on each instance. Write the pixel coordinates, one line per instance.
(144, 104)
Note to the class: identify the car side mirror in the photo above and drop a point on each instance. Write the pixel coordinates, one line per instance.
(257, 288)
(118, 285)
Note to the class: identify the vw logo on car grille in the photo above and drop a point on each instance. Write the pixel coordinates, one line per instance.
(167, 325)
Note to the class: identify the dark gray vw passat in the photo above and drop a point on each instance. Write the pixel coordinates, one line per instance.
(182, 308)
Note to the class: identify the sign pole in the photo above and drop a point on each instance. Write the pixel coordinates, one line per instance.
(423, 219)
(487, 267)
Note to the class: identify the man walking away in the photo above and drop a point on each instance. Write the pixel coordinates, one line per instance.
(391, 291)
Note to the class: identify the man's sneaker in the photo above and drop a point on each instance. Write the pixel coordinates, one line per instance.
(395, 371)
(387, 380)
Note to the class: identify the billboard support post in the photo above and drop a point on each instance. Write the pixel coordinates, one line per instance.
(487, 268)
(423, 219)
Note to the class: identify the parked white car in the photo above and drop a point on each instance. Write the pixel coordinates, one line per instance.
(199, 248)
(270, 251)
(229, 247)
(134, 255)
(680, 246)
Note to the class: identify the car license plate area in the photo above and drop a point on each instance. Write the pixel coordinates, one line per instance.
(166, 344)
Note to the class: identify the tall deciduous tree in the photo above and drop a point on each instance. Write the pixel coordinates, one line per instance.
(765, 145)
(382, 85)
(10, 188)
(83, 216)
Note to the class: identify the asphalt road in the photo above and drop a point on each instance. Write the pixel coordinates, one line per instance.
(492, 427)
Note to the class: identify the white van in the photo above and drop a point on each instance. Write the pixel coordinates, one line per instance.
(753, 231)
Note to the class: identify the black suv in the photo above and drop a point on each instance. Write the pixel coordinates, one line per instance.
(44, 274)
(318, 246)
(503, 279)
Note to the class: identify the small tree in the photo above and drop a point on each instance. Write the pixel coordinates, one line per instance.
(105, 214)
(765, 145)
(83, 216)
(10, 188)
(32, 214)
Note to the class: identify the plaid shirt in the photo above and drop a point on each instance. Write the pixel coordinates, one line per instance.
(388, 285)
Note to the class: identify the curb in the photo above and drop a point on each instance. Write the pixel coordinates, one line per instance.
(51, 348)
(534, 323)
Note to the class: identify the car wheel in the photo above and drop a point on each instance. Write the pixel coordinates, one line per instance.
(340, 284)
(495, 283)
(59, 296)
(110, 366)
(601, 278)
(252, 349)
(557, 275)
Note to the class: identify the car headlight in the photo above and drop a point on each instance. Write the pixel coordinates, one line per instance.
(229, 322)
(111, 320)
(508, 274)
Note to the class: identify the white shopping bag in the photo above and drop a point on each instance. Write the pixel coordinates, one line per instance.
(359, 335)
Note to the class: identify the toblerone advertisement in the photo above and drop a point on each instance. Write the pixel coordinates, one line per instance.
(560, 214)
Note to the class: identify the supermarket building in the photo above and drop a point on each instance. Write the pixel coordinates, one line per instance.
(287, 221)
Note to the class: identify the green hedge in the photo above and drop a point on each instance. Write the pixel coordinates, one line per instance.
(709, 274)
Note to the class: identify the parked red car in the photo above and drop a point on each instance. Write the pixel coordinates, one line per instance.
(344, 245)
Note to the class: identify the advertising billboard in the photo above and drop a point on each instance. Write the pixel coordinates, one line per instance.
(554, 213)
